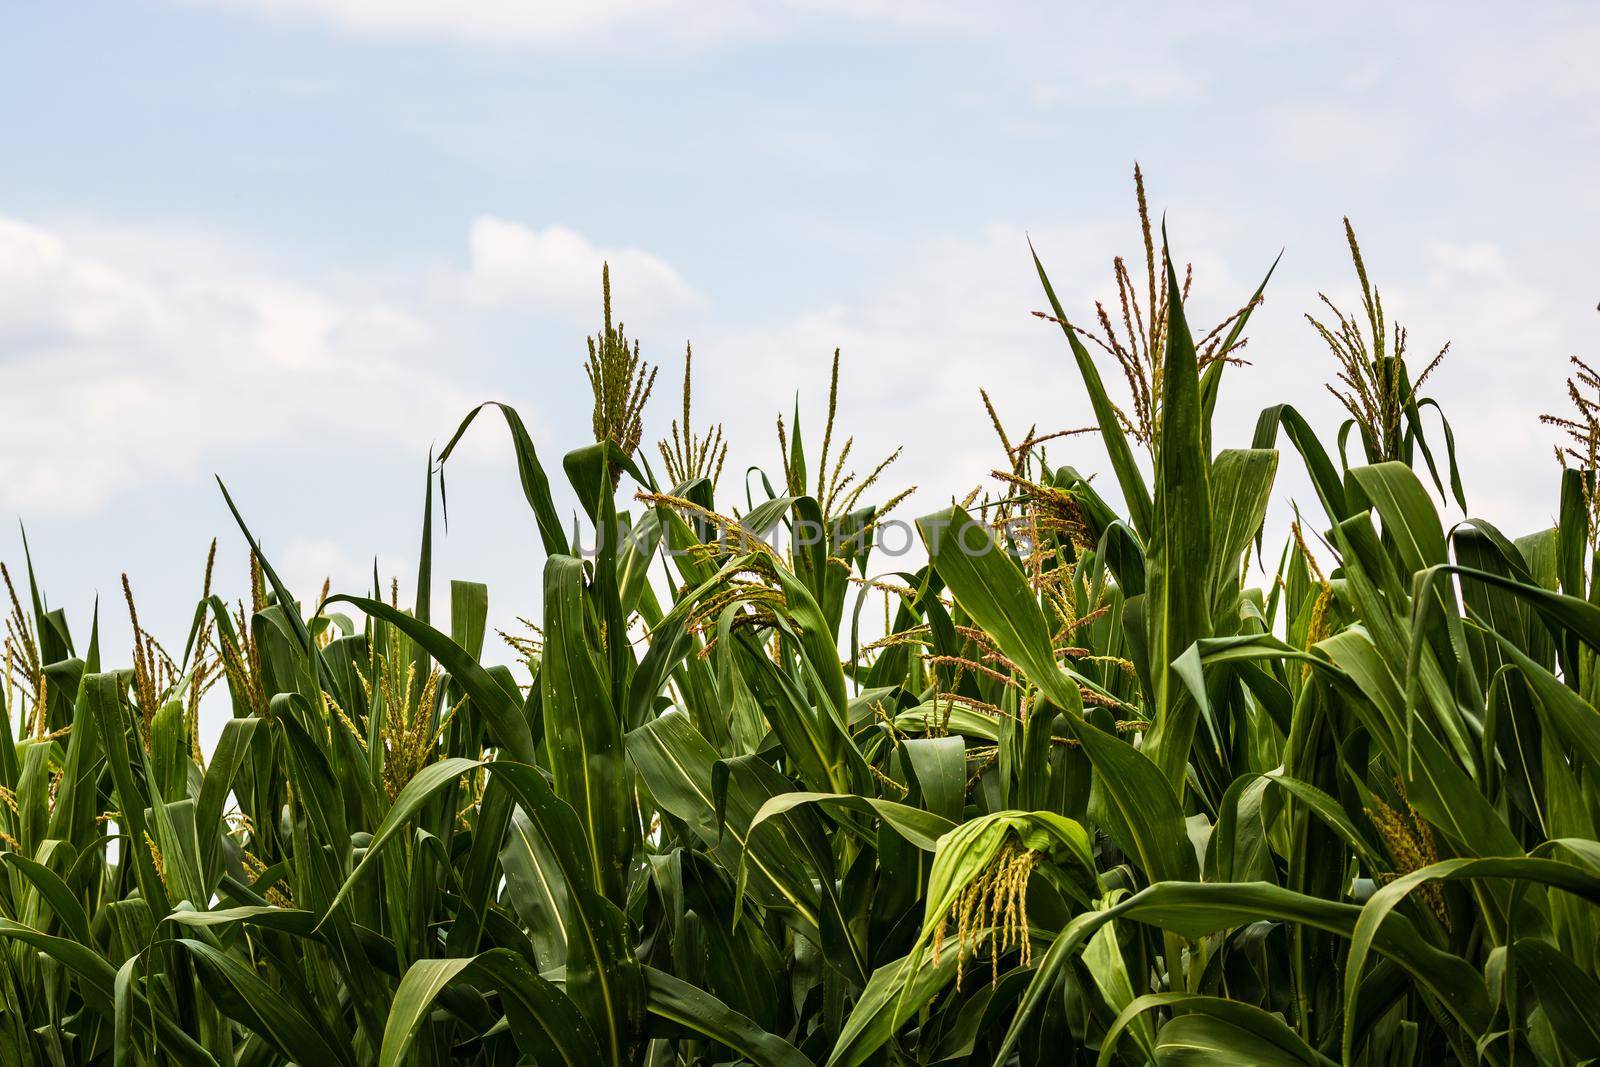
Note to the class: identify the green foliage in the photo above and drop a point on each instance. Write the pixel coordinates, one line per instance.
(1090, 797)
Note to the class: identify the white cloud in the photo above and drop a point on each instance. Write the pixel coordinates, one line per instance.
(141, 355)
(487, 22)
(1370, 137)
(519, 22)
(305, 563)
(558, 270)
(1538, 60)
(1074, 54)
(952, 316)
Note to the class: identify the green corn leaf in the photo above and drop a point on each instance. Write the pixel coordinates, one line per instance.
(548, 1027)
(1178, 547)
(686, 1008)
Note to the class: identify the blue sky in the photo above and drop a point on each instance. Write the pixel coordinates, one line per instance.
(291, 242)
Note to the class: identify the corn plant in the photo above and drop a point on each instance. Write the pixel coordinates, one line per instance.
(1076, 790)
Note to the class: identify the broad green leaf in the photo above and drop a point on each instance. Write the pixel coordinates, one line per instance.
(583, 733)
(548, 1028)
(1179, 546)
(686, 1008)
(1214, 1030)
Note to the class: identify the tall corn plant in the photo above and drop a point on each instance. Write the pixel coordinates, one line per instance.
(1083, 795)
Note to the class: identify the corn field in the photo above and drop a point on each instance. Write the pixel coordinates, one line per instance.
(1110, 778)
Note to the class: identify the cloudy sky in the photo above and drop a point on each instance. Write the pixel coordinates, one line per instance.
(291, 242)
